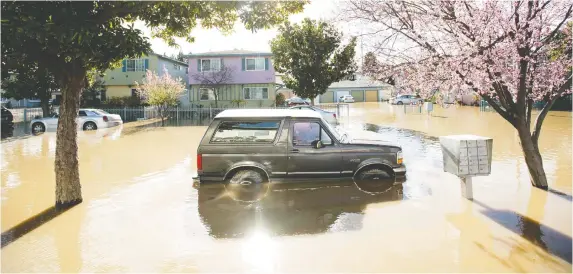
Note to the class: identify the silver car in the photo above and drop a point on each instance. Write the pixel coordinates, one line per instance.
(88, 119)
(328, 116)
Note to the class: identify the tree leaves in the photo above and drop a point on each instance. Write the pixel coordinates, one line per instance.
(311, 57)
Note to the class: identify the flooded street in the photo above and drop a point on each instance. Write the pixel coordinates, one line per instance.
(141, 212)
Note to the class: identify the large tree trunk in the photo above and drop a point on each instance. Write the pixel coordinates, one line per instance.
(532, 157)
(68, 188)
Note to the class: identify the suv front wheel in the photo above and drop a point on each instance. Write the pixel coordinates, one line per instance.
(374, 180)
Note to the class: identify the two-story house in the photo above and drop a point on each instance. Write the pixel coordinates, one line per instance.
(121, 82)
(234, 77)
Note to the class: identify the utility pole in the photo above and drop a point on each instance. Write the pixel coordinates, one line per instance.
(361, 51)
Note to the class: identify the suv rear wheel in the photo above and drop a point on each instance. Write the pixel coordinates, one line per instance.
(247, 185)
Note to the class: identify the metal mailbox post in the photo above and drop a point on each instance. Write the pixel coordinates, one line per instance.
(467, 156)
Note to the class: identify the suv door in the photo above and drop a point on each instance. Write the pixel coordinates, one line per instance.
(304, 160)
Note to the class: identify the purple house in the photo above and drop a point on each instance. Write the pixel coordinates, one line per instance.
(232, 78)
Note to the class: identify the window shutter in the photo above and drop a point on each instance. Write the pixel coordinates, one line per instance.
(146, 64)
(243, 64)
(198, 64)
(124, 65)
(266, 63)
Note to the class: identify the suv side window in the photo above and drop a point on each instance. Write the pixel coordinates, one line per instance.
(305, 133)
(246, 132)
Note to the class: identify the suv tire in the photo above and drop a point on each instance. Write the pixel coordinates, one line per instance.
(247, 177)
(247, 186)
(374, 173)
(374, 180)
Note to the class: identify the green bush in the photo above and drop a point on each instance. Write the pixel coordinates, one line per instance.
(280, 99)
(126, 101)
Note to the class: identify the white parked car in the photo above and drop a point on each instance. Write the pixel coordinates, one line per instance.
(406, 100)
(346, 99)
(328, 116)
(88, 119)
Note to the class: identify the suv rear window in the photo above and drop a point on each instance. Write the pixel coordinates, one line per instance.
(246, 132)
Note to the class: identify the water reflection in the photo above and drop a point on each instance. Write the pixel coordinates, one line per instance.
(288, 209)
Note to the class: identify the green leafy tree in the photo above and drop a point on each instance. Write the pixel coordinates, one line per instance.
(91, 94)
(311, 57)
(29, 81)
(280, 100)
(73, 37)
(180, 56)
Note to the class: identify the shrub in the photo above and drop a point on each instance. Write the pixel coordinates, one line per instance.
(126, 101)
(280, 99)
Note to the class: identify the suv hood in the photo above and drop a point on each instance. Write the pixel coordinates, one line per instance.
(363, 141)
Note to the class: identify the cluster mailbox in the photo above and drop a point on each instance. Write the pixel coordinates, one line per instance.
(467, 156)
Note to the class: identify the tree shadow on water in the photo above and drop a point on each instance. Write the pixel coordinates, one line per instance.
(547, 238)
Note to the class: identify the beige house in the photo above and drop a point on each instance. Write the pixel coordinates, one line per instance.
(120, 82)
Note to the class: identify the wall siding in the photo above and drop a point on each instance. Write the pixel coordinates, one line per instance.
(228, 93)
(239, 76)
(117, 91)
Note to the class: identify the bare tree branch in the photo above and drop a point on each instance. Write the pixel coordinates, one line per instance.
(546, 108)
(214, 80)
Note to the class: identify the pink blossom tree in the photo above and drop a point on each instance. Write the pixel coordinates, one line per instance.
(501, 50)
(161, 91)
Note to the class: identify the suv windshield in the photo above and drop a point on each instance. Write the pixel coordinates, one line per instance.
(334, 132)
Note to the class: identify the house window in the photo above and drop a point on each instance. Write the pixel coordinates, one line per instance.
(257, 93)
(133, 92)
(206, 94)
(135, 65)
(210, 64)
(254, 64)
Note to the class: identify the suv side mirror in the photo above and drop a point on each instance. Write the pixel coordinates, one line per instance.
(317, 144)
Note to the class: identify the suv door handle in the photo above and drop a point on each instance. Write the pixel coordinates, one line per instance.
(294, 150)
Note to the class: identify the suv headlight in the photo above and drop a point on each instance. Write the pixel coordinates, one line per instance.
(399, 158)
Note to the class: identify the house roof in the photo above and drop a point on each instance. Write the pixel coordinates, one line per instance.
(261, 113)
(360, 82)
(235, 52)
(170, 59)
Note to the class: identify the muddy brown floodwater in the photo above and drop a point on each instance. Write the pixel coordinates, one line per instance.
(142, 214)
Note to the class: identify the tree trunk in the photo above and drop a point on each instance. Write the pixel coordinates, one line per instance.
(532, 157)
(45, 103)
(312, 101)
(68, 188)
(161, 113)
